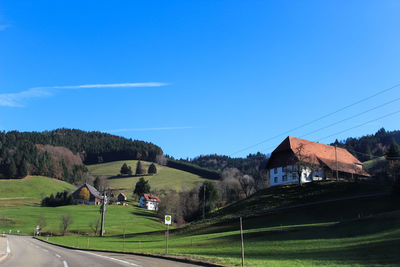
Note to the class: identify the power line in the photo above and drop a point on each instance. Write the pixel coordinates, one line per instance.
(351, 117)
(362, 124)
(351, 128)
(318, 119)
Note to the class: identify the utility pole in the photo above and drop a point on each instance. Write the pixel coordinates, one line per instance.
(204, 201)
(337, 165)
(103, 213)
(241, 237)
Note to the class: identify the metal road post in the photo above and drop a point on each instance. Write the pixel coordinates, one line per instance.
(241, 237)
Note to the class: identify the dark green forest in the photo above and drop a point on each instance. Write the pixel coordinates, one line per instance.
(370, 146)
(61, 153)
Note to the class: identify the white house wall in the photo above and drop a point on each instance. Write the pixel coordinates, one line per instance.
(288, 175)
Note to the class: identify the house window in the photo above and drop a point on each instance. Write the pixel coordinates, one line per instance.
(284, 178)
(294, 176)
(275, 170)
(275, 179)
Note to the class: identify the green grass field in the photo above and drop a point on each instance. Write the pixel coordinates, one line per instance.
(28, 191)
(288, 195)
(165, 179)
(352, 233)
(119, 218)
(355, 232)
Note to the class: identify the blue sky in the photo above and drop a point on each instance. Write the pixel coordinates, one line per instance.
(200, 77)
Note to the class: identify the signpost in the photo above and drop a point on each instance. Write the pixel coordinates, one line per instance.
(168, 221)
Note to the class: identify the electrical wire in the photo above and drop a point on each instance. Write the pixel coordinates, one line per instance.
(317, 119)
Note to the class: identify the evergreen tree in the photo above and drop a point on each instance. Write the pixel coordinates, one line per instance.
(368, 151)
(141, 187)
(11, 169)
(211, 196)
(139, 168)
(23, 169)
(126, 170)
(152, 169)
(393, 151)
(96, 182)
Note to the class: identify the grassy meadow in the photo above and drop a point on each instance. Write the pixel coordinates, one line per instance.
(165, 179)
(334, 234)
(132, 219)
(30, 190)
(353, 232)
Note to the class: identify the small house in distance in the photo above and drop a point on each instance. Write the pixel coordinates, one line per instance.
(121, 197)
(150, 202)
(326, 161)
(87, 194)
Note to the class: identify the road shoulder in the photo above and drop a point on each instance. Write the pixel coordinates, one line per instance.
(180, 259)
(4, 248)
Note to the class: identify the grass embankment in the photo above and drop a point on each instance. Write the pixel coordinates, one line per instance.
(349, 232)
(371, 164)
(31, 190)
(165, 179)
(119, 219)
(289, 195)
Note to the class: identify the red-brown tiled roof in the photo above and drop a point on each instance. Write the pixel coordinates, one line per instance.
(315, 153)
(150, 197)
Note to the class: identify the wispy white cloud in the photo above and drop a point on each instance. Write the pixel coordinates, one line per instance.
(150, 129)
(111, 85)
(17, 99)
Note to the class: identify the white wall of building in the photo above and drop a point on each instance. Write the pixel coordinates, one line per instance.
(288, 175)
(150, 205)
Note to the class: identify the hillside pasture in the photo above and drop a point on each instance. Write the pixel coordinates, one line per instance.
(351, 233)
(166, 178)
(131, 219)
(16, 192)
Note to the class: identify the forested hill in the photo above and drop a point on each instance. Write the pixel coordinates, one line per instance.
(254, 164)
(58, 153)
(370, 146)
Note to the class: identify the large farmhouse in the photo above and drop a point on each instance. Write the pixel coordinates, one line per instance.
(320, 162)
(149, 202)
(94, 197)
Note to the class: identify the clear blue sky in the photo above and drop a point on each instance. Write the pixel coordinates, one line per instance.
(199, 77)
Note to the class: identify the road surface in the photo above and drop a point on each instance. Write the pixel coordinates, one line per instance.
(26, 251)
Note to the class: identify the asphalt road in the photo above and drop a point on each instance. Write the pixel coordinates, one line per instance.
(26, 251)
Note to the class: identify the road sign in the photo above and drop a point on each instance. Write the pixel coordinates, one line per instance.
(168, 219)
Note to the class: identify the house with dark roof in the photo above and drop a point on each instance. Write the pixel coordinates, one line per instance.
(95, 198)
(121, 197)
(326, 161)
(149, 201)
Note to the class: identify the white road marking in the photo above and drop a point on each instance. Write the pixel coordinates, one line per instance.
(58, 256)
(65, 264)
(8, 248)
(110, 258)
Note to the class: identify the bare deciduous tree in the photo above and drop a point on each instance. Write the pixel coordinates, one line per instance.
(247, 184)
(95, 225)
(162, 160)
(303, 163)
(66, 221)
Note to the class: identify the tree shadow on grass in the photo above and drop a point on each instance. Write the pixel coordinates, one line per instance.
(375, 253)
(147, 215)
(348, 229)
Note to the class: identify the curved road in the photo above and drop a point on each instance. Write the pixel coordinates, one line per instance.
(26, 251)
